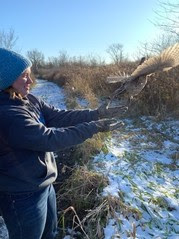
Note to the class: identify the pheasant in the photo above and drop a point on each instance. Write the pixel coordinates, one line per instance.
(132, 85)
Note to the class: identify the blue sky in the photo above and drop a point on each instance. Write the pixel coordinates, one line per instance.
(79, 27)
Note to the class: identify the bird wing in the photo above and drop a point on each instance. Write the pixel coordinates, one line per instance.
(166, 60)
(115, 79)
(132, 85)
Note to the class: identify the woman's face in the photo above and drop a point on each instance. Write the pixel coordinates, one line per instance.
(23, 82)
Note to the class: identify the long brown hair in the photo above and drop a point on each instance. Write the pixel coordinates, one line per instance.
(13, 94)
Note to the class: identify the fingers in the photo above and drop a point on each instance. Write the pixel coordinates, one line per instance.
(118, 111)
(117, 125)
(122, 108)
(106, 125)
(111, 112)
(110, 121)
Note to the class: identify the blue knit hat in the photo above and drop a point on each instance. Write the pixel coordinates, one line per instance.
(12, 65)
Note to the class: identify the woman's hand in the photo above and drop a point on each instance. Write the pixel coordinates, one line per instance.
(106, 125)
(111, 112)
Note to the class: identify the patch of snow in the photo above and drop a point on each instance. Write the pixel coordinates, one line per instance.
(3, 230)
(156, 157)
(140, 168)
(110, 230)
(82, 102)
(50, 93)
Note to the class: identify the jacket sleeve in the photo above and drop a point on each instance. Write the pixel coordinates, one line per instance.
(64, 118)
(25, 133)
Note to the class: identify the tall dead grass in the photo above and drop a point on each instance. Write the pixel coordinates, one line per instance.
(159, 97)
(82, 208)
(79, 194)
(88, 82)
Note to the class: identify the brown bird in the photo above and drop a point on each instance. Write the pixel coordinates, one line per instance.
(132, 85)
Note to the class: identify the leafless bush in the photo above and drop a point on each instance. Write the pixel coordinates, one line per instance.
(116, 53)
(37, 59)
(167, 17)
(8, 39)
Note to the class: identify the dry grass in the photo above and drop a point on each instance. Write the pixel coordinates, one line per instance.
(83, 209)
(160, 96)
(89, 212)
(85, 81)
(84, 152)
(81, 189)
(78, 194)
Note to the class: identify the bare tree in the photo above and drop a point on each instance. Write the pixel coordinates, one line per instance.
(63, 58)
(156, 46)
(8, 39)
(168, 17)
(116, 52)
(88, 60)
(53, 61)
(95, 60)
(37, 59)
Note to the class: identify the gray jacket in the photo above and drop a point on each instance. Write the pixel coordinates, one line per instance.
(30, 131)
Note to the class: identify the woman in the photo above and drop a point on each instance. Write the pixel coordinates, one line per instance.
(30, 130)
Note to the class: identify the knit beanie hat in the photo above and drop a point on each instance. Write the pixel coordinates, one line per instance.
(12, 65)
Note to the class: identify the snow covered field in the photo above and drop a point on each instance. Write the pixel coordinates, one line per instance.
(142, 168)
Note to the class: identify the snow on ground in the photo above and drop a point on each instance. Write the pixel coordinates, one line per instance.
(143, 172)
(50, 93)
(3, 230)
(142, 168)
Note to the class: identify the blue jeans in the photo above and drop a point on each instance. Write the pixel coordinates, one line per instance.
(30, 215)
